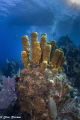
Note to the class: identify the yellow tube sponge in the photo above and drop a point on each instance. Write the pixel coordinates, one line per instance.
(43, 66)
(46, 53)
(52, 43)
(24, 56)
(62, 62)
(43, 40)
(25, 44)
(34, 38)
(55, 58)
(60, 59)
(36, 52)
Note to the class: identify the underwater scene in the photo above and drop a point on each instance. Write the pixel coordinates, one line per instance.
(39, 59)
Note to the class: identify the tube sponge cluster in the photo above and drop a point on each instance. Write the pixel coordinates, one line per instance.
(43, 53)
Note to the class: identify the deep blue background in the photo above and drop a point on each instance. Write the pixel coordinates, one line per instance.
(21, 17)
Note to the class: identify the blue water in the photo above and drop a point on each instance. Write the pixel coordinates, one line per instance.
(20, 17)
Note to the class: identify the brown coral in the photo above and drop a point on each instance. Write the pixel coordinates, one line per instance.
(34, 93)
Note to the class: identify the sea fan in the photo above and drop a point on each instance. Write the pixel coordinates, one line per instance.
(69, 107)
(7, 93)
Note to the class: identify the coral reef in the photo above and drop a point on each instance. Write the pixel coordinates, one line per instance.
(72, 53)
(43, 87)
(36, 88)
(64, 41)
(42, 91)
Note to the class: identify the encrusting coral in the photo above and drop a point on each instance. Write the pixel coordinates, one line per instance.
(42, 81)
(34, 91)
(36, 87)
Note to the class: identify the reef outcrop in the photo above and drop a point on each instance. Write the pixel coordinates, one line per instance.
(72, 53)
(43, 84)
